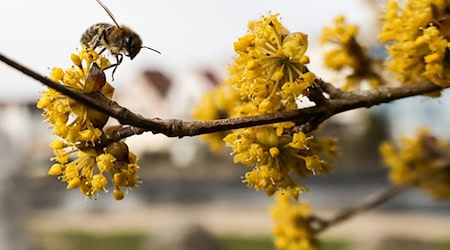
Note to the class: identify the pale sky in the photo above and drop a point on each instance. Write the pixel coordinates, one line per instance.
(190, 34)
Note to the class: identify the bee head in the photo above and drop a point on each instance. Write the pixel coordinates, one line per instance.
(133, 44)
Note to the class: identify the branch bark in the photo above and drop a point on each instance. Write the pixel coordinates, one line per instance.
(339, 102)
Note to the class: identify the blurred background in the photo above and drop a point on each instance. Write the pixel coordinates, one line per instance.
(189, 196)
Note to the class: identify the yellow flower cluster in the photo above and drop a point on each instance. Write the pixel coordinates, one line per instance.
(292, 229)
(82, 159)
(423, 159)
(269, 75)
(418, 34)
(269, 72)
(348, 53)
(279, 160)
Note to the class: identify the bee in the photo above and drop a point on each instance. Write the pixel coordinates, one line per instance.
(118, 39)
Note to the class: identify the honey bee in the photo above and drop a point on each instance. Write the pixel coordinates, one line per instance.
(119, 40)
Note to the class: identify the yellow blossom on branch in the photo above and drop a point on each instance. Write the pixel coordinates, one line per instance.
(82, 160)
(278, 161)
(268, 57)
(269, 75)
(418, 35)
(349, 53)
(291, 224)
(423, 160)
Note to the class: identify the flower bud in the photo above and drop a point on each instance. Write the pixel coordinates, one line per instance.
(295, 45)
(95, 80)
(97, 118)
(118, 193)
(55, 170)
(119, 150)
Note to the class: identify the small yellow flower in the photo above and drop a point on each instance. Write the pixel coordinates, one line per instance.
(105, 162)
(99, 182)
(316, 165)
(57, 74)
(299, 140)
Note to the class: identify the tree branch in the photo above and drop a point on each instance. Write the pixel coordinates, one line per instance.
(340, 102)
(318, 224)
(441, 164)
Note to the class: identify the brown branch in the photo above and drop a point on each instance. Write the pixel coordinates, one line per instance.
(439, 165)
(318, 224)
(330, 89)
(344, 101)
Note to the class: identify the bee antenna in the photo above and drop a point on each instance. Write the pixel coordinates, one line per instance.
(145, 47)
(110, 14)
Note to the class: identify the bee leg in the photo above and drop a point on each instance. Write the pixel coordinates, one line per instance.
(119, 58)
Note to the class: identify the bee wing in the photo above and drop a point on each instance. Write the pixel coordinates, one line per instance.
(110, 14)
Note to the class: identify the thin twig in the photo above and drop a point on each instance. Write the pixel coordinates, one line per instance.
(330, 89)
(438, 166)
(318, 224)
